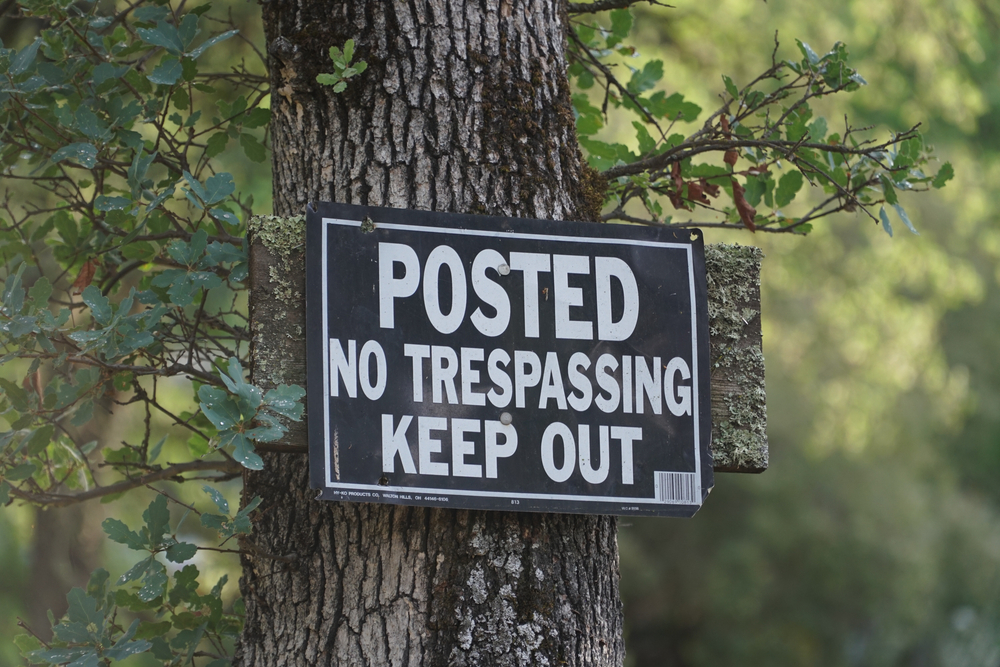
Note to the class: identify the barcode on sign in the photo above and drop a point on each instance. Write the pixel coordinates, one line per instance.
(676, 488)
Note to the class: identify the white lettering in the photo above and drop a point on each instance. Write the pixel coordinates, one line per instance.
(627, 386)
(418, 353)
(428, 445)
(345, 367)
(566, 296)
(368, 350)
(580, 382)
(461, 448)
(607, 382)
(552, 383)
(444, 256)
(679, 402)
(491, 293)
(628, 435)
(523, 378)
(494, 450)
(607, 268)
(394, 442)
(390, 287)
(443, 374)
(471, 376)
(648, 383)
(499, 379)
(583, 445)
(560, 430)
(531, 264)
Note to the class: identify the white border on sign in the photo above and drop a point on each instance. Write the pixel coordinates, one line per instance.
(331, 484)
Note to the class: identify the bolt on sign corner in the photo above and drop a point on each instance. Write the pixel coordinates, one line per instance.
(506, 364)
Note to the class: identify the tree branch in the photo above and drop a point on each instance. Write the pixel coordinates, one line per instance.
(172, 473)
(605, 5)
(686, 150)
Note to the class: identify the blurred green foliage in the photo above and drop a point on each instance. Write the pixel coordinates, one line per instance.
(874, 539)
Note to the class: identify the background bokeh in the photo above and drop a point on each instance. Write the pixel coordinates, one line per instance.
(874, 538)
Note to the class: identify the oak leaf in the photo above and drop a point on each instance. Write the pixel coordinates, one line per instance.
(85, 277)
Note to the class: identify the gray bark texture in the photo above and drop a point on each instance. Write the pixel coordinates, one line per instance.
(464, 108)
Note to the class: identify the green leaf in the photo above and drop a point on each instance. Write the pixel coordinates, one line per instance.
(215, 522)
(243, 452)
(136, 571)
(731, 87)
(224, 215)
(646, 78)
(105, 203)
(151, 13)
(269, 429)
(807, 52)
(884, 217)
(180, 552)
(286, 400)
(646, 142)
(218, 187)
(241, 522)
(119, 532)
(125, 647)
(817, 130)
(150, 630)
(621, 24)
(26, 644)
(220, 409)
(153, 585)
(167, 72)
(20, 63)
(888, 190)
(157, 518)
(217, 498)
(83, 609)
(673, 107)
(216, 144)
(348, 51)
(945, 174)
(83, 153)
(18, 473)
(4, 493)
(253, 148)
(164, 35)
(788, 187)
(80, 657)
(39, 440)
(209, 43)
(329, 79)
(99, 305)
(905, 218)
(40, 292)
(755, 188)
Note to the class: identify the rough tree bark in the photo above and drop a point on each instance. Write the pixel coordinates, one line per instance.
(464, 108)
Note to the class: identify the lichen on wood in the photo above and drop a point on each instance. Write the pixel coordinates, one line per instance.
(739, 415)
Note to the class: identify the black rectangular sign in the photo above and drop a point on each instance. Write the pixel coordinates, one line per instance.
(498, 363)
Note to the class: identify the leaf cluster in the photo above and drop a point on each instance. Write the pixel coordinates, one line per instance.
(122, 261)
(342, 67)
(748, 163)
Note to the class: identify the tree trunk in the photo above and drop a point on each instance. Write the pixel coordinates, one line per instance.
(464, 108)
